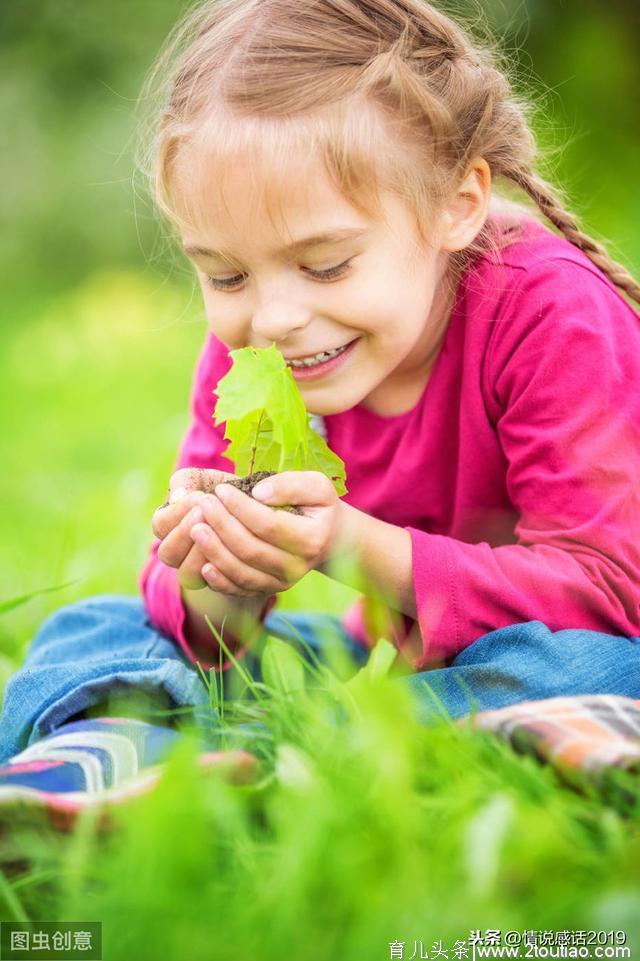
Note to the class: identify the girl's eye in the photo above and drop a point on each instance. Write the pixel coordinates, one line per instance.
(224, 283)
(330, 272)
(232, 283)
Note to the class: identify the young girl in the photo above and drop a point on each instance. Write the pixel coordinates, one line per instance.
(329, 170)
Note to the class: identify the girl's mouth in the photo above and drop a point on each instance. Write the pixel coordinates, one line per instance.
(321, 364)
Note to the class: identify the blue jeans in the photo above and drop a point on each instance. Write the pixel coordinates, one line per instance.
(86, 652)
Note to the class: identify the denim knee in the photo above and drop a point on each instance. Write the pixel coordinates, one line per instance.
(529, 662)
(82, 655)
(569, 661)
(97, 628)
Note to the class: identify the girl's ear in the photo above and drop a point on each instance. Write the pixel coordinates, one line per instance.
(465, 215)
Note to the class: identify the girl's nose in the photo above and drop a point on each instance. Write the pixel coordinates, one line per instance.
(277, 319)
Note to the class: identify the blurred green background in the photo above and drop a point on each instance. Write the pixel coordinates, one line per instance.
(101, 322)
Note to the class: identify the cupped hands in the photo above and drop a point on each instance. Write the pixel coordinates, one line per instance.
(238, 544)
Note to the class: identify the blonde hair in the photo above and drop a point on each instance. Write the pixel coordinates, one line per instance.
(307, 75)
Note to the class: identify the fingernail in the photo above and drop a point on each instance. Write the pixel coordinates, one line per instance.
(196, 516)
(263, 491)
(177, 494)
(208, 571)
(199, 531)
(223, 492)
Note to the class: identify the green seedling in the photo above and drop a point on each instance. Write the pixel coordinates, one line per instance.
(267, 423)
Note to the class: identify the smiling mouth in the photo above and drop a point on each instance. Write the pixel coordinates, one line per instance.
(320, 358)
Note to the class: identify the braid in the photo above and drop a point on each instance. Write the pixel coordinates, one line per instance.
(547, 201)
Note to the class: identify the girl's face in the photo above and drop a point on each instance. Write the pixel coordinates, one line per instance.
(321, 277)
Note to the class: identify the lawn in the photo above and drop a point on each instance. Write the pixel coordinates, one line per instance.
(357, 840)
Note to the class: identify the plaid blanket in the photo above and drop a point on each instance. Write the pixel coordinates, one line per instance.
(588, 734)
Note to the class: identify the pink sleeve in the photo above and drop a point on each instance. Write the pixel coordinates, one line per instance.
(202, 446)
(562, 387)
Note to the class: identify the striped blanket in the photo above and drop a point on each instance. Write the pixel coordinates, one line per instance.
(588, 734)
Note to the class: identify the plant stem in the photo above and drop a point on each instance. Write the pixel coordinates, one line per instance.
(255, 443)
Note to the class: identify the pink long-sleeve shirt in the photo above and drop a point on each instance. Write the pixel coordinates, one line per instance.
(517, 473)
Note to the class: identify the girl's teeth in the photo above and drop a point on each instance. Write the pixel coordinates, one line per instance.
(317, 358)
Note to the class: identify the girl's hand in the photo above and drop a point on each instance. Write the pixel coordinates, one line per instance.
(173, 521)
(251, 549)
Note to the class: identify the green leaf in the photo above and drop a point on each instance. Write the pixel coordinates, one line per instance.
(323, 459)
(249, 383)
(254, 430)
(266, 422)
(377, 667)
(381, 659)
(282, 667)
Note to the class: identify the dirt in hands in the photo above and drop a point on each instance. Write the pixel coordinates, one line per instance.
(246, 484)
(204, 480)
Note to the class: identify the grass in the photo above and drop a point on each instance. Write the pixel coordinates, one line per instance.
(356, 835)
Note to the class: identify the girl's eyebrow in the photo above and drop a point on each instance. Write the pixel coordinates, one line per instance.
(329, 237)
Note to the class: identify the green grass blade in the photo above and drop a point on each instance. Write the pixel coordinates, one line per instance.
(244, 674)
(12, 902)
(14, 602)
